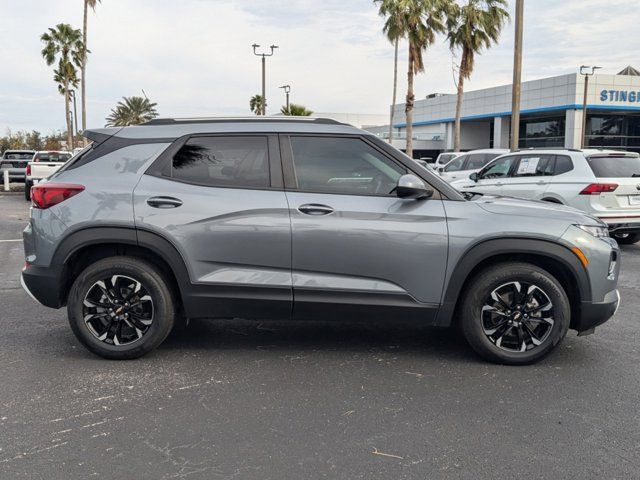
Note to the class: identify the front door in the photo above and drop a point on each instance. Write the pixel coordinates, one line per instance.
(359, 251)
(220, 201)
(530, 176)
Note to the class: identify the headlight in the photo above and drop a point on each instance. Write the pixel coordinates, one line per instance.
(596, 231)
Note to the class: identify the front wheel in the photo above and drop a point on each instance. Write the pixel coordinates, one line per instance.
(626, 238)
(515, 313)
(121, 307)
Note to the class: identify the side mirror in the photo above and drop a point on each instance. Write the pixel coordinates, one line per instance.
(441, 169)
(474, 176)
(410, 186)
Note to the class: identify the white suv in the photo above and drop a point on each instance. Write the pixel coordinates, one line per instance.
(469, 162)
(445, 158)
(604, 183)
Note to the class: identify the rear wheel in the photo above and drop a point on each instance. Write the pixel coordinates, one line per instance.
(514, 313)
(121, 308)
(27, 190)
(626, 238)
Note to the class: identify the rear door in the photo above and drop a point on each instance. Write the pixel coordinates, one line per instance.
(530, 176)
(358, 249)
(219, 200)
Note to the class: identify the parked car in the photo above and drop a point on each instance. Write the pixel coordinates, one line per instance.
(445, 158)
(301, 219)
(43, 165)
(603, 183)
(467, 163)
(15, 161)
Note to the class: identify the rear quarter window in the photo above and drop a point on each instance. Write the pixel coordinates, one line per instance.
(563, 165)
(615, 167)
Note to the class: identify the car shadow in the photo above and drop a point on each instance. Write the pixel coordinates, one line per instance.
(410, 339)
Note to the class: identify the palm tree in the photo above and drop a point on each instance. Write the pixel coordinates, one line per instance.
(393, 28)
(472, 27)
(87, 4)
(255, 104)
(132, 111)
(296, 110)
(421, 21)
(65, 44)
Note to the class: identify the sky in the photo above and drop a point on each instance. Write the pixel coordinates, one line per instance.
(194, 57)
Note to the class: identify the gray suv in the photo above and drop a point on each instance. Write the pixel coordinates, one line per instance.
(302, 219)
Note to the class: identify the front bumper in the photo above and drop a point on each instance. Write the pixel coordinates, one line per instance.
(593, 314)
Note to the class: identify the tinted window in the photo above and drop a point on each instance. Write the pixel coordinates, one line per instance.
(51, 157)
(455, 164)
(534, 166)
(563, 165)
(476, 160)
(445, 157)
(498, 169)
(223, 162)
(615, 167)
(18, 155)
(343, 165)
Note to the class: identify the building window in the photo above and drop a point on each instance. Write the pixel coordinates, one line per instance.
(620, 132)
(542, 132)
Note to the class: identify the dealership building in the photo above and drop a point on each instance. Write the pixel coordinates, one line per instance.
(551, 115)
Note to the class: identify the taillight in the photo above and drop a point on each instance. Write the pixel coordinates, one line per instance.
(597, 188)
(47, 195)
(28, 169)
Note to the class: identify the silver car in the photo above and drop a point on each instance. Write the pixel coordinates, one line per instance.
(299, 219)
(603, 183)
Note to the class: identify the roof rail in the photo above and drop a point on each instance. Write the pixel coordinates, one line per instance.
(283, 118)
(548, 148)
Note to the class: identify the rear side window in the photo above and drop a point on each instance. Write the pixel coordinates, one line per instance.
(241, 162)
(534, 166)
(563, 165)
(615, 167)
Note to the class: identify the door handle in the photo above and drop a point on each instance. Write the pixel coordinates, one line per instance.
(164, 202)
(541, 182)
(499, 184)
(315, 209)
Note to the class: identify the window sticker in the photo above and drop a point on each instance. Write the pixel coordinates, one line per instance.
(528, 166)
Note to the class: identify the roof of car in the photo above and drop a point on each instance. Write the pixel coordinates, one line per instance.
(486, 150)
(171, 128)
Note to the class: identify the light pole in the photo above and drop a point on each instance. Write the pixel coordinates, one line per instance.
(287, 89)
(584, 70)
(264, 63)
(517, 77)
(74, 119)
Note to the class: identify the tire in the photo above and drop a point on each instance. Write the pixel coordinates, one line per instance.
(27, 190)
(149, 319)
(506, 343)
(626, 238)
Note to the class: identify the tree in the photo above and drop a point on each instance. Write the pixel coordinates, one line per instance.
(255, 104)
(296, 110)
(394, 30)
(421, 21)
(472, 27)
(132, 111)
(34, 140)
(64, 43)
(87, 4)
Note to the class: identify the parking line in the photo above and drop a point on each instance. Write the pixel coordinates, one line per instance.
(12, 240)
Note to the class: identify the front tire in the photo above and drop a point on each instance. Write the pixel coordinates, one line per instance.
(514, 313)
(626, 238)
(121, 307)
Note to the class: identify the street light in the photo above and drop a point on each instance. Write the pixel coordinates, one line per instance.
(287, 89)
(584, 70)
(74, 119)
(263, 55)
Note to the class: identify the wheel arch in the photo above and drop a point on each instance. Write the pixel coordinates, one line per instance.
(555, 258)
(86, 246)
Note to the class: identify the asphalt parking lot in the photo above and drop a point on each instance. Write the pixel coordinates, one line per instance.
(284, 401)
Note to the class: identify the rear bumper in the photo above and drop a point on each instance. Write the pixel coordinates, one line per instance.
(593, 314)
(42, 285)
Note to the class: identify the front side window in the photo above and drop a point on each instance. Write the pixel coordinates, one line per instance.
(498, 169)
(343, 165)
(241, 162)
(455, 164)
(534, 166)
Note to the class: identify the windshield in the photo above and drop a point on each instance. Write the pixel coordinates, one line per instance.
(615, 167)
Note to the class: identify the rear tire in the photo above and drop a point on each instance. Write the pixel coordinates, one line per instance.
(626, 238)
(121, 307)
(514, 313)
(27, 190)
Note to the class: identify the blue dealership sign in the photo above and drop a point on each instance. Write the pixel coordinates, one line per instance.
(619, 96)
